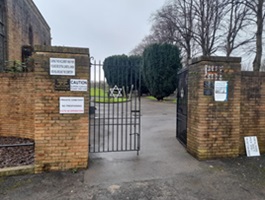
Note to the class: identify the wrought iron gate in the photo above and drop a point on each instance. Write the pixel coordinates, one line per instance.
(115, 115)
(182, 100)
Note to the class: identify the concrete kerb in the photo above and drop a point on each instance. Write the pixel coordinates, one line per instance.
(20, 170)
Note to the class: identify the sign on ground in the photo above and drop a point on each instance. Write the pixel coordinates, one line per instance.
(252, 147)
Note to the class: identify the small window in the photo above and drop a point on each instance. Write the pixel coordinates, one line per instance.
(26, 53)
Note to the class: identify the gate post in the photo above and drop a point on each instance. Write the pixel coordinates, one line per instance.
(61, 112)
(213, 128)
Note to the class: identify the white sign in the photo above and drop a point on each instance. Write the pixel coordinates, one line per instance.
(220, 90)
(71, 105)
(62, 66)
(78, 85)
(252, 147)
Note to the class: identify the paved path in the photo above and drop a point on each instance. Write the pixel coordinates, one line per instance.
(161, 154)
(163, 170)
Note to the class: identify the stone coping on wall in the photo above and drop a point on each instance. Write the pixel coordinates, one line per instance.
(252, 73)
(20, 170)
(60, 49)
(15, 74)
(215, 59)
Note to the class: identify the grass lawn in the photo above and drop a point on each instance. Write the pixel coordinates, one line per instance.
(96, 92)
(110, 100)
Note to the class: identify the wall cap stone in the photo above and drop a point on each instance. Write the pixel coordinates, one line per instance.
(252, 73)
(16, 75)
(215, 59)
(19, 170)
(61, 49)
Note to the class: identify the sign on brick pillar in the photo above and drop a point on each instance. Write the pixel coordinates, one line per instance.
(214, 107)
(61, 108)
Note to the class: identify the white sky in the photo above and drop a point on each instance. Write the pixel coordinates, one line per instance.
(106, 27)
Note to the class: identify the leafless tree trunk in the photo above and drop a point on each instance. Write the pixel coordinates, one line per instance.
(260, 19)
(178, 17)
(234, 24)
(208, 15)
(257, 9)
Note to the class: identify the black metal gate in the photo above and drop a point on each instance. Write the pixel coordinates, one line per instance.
(115, 115)
(182, 100)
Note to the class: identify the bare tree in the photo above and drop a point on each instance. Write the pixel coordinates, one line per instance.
(163, 30)
(177, 17)
(208, 15)
(139, 49)
(257, 10)
(194, 20)
(235, 24)
(201, 26)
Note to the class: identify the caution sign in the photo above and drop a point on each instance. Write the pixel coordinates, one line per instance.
(78, 85)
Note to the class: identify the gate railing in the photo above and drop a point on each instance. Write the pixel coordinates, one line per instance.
(115, 116)
(182, 100)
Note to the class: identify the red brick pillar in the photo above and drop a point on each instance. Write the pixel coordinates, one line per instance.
(213, 124)
(61, 140)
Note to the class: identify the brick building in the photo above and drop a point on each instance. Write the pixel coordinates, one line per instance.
(21, 27)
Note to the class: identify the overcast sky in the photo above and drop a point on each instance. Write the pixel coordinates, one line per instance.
(106, 27)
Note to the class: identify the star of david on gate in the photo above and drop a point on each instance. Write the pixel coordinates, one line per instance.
(115, 92)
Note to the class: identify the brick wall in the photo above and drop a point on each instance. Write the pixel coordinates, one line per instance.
(29, 107)
(252, 108)
(213, 127)
(61, 140)
(17, 105)
(21, 16)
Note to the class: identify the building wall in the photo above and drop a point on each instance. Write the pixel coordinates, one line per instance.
(252, 108)
(213, 127)
(17, 105)
(25, 26)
